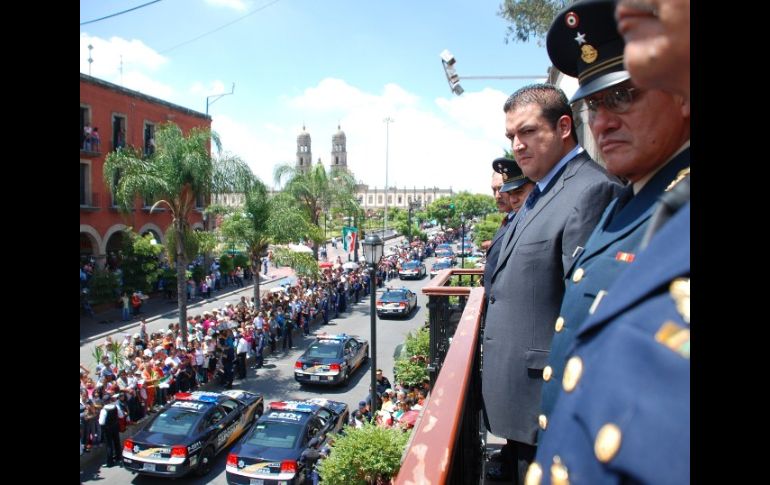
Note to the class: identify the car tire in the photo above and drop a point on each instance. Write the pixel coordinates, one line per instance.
(205, 462)
(345, 377)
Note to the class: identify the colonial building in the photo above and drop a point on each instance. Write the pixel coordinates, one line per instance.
(369, 198)
(120, 117)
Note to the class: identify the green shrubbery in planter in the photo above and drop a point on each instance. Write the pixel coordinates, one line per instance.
(366, 456)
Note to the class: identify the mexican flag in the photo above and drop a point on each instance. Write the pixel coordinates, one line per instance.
(349, 238)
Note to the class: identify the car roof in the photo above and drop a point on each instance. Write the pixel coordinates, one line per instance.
(202, 397)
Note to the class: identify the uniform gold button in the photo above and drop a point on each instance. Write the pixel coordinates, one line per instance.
(542, 420)
(607, 442)
(534, 474)
(547, 373)
(578, 275)
(559, 324)
(559, 474)
(572, 372)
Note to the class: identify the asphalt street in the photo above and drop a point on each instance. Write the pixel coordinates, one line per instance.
(276, 379)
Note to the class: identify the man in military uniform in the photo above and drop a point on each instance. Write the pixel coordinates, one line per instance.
(643, 136)
(624, 413)
(526, 286)
(510, 188)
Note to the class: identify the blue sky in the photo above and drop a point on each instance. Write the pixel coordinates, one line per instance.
(324, 62)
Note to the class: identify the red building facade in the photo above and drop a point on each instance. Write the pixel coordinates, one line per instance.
(112, 116)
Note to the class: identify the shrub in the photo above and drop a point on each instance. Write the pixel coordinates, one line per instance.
(364, 456)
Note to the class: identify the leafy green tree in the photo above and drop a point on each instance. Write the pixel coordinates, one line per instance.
(179, 172)
(264, 220)
(140, 262)
(317, 191)
(529, 19)
(304, 264)
(364, 456)
(486, 229)
(442, 211)
(103, 287)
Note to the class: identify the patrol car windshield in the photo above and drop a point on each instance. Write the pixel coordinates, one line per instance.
(323, 349)
(274, 434)
(177, 421)
(397, 295)
(411, 265)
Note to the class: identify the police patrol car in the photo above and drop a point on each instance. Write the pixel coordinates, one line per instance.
(331, 359)
(188, 432)
(270, 452)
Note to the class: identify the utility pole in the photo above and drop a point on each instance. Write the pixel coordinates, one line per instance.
(388, 120)
(216, 98)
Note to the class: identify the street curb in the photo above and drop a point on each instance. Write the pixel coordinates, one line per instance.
(162, 315)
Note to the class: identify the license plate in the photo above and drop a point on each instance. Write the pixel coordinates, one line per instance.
(315, 378)
(256, 481)
(149, 467)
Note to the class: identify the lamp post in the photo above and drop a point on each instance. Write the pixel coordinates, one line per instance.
(462, 244)
(373, 248)
(216, 98)
(387, 121)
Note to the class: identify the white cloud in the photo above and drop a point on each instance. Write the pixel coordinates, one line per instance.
(450, 143)
(137, 59)
(238, 5)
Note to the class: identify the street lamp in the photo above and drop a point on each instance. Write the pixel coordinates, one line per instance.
(448, 61)
(462, 244)
(373, 248)
(387, 121)
(216, 98)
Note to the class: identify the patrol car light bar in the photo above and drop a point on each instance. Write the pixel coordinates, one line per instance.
(291, 406)
(197, 396)
(328, 336)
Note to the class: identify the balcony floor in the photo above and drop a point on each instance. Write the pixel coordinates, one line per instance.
(494, 443)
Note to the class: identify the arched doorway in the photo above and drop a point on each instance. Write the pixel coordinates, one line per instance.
(113, 250)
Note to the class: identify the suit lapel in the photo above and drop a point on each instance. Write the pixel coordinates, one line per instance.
(519, 225)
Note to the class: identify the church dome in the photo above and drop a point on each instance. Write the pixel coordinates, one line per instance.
(303, 136)
(340, 135)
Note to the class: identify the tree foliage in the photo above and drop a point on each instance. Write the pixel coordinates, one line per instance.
(177, 175)
(303, 264)
(140, 262)
(529, 19)
(413, 367)
(366, 455)
(486, 229)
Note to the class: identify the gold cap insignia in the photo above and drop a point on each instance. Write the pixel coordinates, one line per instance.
(607, 442)
(589, 53)
(572, 372)
(680, 292)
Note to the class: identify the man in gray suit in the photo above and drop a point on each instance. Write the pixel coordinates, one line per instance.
(526, 287)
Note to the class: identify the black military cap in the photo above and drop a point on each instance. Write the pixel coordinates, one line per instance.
(513, 178)
(584, 42)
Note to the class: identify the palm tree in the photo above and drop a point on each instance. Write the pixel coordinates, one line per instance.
(263, 220)
(316, 191)
(179, 172)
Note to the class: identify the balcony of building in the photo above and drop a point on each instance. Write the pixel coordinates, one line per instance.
(449, 442)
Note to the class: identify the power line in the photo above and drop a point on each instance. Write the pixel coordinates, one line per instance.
(220, 27)
(119, 13)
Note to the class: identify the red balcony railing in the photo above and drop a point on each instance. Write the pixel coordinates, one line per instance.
(445, 446)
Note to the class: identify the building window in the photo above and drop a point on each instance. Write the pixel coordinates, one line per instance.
(379, 200)
(390, 200)
(336, 160)
(149, 139)
(199, 201)
(118, 131)
(428, 199)
(419, 198)
(409, 198)
(400, 200)
(371, 200)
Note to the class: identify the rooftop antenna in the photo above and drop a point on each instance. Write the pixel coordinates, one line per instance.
(90, 59)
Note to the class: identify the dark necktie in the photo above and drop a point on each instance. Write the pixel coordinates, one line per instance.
(529, 203)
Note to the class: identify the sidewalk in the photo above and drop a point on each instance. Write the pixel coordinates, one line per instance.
(110, 321)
